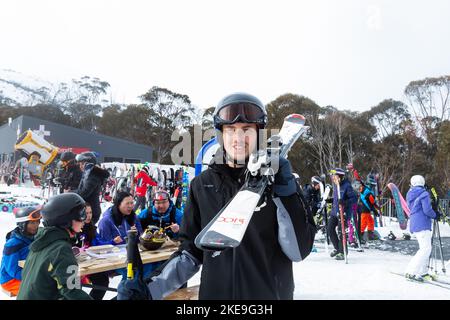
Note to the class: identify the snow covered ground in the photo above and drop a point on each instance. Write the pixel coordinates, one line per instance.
(366, 276)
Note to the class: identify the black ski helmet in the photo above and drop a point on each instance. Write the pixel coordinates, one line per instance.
(26, 214)
(61, 209)
(67, 156)
(240, 107)
(86, 157)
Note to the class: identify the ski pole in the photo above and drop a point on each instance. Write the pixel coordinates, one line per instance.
(341, 215)
(440, 246)
(131, 254)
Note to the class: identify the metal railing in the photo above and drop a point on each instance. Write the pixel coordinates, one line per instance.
(388, 207)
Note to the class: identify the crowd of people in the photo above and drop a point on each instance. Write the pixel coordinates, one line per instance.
(259, 268)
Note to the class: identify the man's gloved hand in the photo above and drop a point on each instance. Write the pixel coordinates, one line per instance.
(438, 216)
(135, 289)
(284, 184)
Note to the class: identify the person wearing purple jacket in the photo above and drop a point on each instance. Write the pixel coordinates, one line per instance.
(118, 219)
(419, 203)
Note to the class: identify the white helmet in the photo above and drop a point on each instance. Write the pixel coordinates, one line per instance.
(417, 180)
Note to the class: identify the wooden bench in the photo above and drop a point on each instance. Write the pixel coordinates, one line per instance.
(189, 293)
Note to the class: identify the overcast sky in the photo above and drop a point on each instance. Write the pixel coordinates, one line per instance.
(349, 54)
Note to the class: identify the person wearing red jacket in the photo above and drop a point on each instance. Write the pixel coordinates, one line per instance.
(142, 181)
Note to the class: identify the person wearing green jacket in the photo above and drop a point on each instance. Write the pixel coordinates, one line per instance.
(51, 269)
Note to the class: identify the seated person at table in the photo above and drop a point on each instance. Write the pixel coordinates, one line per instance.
(163, 214)
(51, 269)
(89, 237)
(118, 219)
(17, 248)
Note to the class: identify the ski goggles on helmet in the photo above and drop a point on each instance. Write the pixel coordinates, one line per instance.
(161, 196)
(240, 112)
(32, 216)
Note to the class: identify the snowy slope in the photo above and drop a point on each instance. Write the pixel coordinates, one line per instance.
(19, 89)
(366, 276)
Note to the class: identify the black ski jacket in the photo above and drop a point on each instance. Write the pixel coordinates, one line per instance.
(312, 197)
(71, 177)
(258, 269)
(90, 188)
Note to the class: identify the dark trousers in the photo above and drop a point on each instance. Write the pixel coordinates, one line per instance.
(99, 279)
(140, 203)
(335, 237)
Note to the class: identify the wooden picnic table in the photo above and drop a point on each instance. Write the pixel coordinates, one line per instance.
(97, 265)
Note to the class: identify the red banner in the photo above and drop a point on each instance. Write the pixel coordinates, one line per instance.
(75, 150)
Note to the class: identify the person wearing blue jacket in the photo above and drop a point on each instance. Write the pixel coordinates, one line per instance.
(419, 203)
(17, 248)
(118, 219)
(348, 200)
(163, 214)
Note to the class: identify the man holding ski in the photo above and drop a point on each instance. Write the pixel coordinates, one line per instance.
(259, 268)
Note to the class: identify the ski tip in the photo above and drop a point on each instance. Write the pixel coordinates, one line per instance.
(295, 116)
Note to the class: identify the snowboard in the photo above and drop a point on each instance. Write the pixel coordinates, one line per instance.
(399, 206)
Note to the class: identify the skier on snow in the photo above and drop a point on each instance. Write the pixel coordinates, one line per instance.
(347, 200)
(419, 203)
(258, 268)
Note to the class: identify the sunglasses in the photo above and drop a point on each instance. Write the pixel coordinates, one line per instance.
(247, 112)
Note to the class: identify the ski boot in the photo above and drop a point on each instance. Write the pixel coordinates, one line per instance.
(333, 253)
(353, 245)
(372, 236)
(339, 256)
(429, 277)
(415, 278)
(406, 236)
(391, 236)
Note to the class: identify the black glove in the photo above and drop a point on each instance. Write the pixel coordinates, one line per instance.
(135, 289)
(284, 184)
(438, 216)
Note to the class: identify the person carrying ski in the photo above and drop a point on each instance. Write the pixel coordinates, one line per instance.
(91, 182)
(421, 213)
(163, 214)
(347, 200)
(142, 181)
(17, 247)
(261, 266)
(50, 271)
